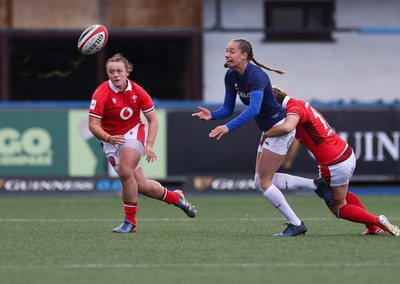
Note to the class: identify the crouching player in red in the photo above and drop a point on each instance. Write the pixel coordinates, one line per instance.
(336, 163)
(114, 118)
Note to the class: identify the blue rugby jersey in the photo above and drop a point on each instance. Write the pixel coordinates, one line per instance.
(255, 91)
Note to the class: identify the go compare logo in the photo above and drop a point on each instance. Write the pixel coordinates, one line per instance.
(31, 147)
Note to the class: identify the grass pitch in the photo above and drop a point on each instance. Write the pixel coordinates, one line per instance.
(69, 240)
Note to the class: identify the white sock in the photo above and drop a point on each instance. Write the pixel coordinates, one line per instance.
(257, 182)
(289, 182)
(275, 196)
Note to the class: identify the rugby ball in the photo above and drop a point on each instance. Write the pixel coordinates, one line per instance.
(92, 39)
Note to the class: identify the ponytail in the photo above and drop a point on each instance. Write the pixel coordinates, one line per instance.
(246, 47)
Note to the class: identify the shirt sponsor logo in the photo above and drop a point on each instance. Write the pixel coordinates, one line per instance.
(126, 113)
(243, 95)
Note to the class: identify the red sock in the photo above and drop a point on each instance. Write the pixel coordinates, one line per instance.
(357, 214)
(352, 199)
(170, 197)
(130, 211)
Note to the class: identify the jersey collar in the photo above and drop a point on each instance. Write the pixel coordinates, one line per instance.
(116, 90)
(285, 101)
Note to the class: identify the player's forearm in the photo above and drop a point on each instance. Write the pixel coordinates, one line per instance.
(277, 131)
(288, 126)
(98, 132)
(152, 133)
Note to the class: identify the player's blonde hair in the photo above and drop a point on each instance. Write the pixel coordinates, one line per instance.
(120, 58)
(246, 47)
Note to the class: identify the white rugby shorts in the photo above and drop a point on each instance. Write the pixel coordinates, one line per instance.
(278, 145)
(112, 153)
(339, 174)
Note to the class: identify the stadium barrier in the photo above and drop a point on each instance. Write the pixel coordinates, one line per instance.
(45, 147)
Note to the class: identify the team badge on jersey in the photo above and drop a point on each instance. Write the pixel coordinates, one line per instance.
(93, 104)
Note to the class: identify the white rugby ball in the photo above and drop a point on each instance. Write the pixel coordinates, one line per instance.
(92, 39)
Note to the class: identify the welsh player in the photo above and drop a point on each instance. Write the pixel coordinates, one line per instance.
(114, 118)
(336, 163)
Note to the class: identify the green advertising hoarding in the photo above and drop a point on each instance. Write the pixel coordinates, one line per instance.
(59, 143)
(33, 143)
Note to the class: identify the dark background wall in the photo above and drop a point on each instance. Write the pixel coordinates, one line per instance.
(374, 134)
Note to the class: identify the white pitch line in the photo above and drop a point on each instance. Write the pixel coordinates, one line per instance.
(171, 220)
(199, 265)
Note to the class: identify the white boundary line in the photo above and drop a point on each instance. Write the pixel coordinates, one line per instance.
(198, 265)
(172, 219)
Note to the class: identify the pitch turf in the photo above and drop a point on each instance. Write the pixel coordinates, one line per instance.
(69, 240)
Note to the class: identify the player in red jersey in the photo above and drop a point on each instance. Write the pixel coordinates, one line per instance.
(335, 158)
(114, 118)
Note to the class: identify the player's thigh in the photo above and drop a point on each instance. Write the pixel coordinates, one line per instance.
(268, 165)
(128, 160)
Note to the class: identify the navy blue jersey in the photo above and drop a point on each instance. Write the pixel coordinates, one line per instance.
(255, 91)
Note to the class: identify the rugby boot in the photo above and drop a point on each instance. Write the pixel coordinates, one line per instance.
(390, 228)
(125, 227)
(292, 230)
(323, 190)
(185, 205)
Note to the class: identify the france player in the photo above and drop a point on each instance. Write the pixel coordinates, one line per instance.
(252, 85)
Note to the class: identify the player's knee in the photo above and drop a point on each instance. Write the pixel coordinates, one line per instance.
(124, 172)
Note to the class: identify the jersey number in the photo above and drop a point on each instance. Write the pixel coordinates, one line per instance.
(318, 116)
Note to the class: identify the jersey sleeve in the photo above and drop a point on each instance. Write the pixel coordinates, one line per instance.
(294, 108)
(250, 112)
(226, 110)
(96, 108)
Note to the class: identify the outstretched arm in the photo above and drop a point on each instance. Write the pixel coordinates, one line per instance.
(204, 114)
(289, 125)
(226, 110)
(250, 112)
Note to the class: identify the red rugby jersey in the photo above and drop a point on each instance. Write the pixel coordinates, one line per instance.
(314, 132)
(119, 111)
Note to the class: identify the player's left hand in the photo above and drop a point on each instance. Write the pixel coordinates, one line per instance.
(218, 131)
(150, 154)
(263, 136)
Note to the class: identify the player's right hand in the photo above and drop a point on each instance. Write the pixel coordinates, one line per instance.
(204, 114)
